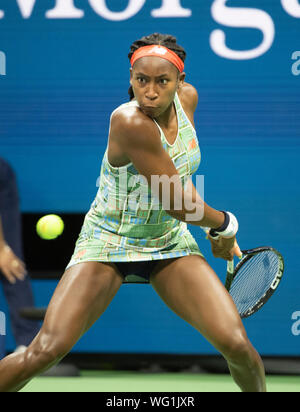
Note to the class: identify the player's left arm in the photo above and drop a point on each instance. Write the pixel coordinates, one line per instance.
(189, 98)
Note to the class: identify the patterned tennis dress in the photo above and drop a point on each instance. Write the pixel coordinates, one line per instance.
(126, 222)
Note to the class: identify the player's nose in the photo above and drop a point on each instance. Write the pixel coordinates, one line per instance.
(151, 93)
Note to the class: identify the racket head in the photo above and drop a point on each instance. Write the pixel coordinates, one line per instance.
(255, 278)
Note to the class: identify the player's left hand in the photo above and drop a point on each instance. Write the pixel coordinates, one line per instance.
(225, 248)
(10, 265)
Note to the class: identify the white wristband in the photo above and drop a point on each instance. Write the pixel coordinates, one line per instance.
(230, 231)
(232, 228)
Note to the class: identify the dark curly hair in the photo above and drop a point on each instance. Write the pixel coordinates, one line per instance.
(165, 40)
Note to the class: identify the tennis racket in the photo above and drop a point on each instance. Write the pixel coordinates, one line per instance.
(254, 279)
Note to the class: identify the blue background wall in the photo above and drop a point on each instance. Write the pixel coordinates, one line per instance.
(63, 79)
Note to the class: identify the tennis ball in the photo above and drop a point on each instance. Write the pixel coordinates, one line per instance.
(50, 227)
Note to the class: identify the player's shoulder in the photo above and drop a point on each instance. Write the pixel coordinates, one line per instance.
(130, 125)
(189, 95)
(128, 116)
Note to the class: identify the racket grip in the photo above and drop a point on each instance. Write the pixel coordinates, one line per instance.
(229, 277)
(230, 266)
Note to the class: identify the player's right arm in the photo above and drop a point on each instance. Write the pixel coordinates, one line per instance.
(138, 138)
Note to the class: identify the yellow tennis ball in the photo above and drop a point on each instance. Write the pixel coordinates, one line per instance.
(50, 227)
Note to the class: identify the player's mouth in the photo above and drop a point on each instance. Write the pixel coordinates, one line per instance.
(150, 110)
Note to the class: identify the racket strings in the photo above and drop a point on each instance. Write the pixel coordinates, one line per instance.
(253, 280)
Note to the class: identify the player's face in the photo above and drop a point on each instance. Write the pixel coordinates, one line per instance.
(155, 82)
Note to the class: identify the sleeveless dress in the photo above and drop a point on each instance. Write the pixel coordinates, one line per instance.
(126, 223)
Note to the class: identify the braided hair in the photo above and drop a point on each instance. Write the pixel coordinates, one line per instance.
(165, 40)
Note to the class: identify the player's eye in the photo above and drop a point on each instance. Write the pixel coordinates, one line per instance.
(164, 81)
(141, 80)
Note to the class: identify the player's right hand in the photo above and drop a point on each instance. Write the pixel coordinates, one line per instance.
(10, 265)
(225, 248)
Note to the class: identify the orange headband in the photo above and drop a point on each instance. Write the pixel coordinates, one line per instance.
(158, 51)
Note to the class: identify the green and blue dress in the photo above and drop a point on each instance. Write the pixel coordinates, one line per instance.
(126, 223)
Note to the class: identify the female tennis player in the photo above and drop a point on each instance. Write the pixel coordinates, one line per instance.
(131, 233)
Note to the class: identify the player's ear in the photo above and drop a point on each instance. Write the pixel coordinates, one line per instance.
(130, 70)
(181, 79)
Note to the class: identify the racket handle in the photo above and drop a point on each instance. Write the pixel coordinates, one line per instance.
(230, 266)
(229, 277)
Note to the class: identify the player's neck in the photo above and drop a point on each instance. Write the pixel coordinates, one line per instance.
(166, 118)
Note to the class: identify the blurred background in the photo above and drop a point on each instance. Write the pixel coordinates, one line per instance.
(67, 70)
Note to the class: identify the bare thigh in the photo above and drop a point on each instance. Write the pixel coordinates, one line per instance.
(82, 295)
(191, 288)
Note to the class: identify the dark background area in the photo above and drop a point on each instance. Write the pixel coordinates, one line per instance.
(48, 258)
